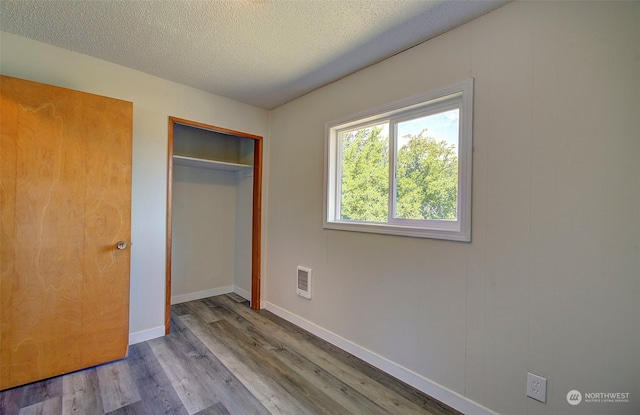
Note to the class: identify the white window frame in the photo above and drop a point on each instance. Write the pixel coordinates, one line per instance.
(458, 95)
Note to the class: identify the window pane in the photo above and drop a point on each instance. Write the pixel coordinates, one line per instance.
(364, 194)
(427, 167)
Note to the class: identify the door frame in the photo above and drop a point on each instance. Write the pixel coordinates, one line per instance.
(256, 229)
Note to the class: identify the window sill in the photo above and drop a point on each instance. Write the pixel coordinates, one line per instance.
(451, 233)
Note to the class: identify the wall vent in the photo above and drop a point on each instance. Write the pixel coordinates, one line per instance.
(304, 282)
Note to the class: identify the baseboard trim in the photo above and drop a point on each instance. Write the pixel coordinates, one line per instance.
(431, 388)
(149, 334)
(144, 335)
(183, 298)
(242, 293)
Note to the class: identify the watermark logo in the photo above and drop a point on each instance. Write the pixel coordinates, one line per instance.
(606, 397)
(574, 397)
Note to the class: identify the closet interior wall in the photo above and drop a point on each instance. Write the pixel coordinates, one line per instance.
(211, 214)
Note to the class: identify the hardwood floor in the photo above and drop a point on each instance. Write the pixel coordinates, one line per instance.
(224, 358)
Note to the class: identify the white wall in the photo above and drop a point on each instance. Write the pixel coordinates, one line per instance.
(212, 233)
(551, 280)
(244, 223)
(212, 217)
(244, 230)
(154, 100)
(203, 238)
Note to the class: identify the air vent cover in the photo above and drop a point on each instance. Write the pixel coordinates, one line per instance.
(304, 282)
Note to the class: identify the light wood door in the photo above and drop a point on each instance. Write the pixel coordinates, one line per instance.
(65, 197)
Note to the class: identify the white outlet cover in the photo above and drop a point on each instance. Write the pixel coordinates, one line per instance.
(537, 387)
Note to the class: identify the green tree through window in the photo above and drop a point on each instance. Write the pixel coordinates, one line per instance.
(427, 177)
(365, 175)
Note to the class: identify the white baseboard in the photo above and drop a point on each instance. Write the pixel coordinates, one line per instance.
(431, 388)
(242, 293)
(183, 298)
(144, 335)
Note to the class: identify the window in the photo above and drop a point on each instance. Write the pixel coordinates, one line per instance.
(405, 168)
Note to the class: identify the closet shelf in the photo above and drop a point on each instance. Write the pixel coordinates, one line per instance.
(209, 164)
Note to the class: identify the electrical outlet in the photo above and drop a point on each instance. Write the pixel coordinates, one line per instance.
(537, 387)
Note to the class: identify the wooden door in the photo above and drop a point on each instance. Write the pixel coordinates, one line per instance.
(65, 197)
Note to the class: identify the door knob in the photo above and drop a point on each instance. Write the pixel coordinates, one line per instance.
(122, 245)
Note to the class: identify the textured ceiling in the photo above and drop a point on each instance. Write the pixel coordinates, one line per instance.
(261, 52)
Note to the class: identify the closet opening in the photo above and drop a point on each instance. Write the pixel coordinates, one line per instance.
(214, 195)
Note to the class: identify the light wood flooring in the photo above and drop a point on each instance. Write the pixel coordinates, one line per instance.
(224, 358)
